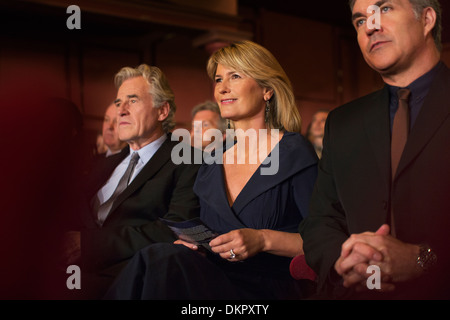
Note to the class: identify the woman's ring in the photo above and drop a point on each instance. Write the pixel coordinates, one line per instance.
(232, 254)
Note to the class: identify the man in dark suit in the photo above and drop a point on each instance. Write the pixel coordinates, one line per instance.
(114, 227)
(109, 134)
(369, 209)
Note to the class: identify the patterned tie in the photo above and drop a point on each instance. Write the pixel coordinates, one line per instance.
(105, 207)
(400, 130)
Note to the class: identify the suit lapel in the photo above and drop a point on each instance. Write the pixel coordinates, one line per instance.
(104, 170)
(434, 112)
(377, 126)
(101, 173)
(148, 171)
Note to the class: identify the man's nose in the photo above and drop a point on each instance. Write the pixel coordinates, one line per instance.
(373, 27)
(122, 109)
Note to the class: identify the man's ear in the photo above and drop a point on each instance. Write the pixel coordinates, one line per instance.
(163, 111)
(429, 20)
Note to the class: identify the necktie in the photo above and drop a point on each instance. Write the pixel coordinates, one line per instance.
(400, 130)
(105, 207)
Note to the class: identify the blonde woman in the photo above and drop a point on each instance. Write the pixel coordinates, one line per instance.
(256, 214)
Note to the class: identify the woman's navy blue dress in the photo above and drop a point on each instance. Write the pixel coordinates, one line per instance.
(277, 202)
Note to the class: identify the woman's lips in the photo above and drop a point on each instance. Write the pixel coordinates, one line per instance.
(227, 101)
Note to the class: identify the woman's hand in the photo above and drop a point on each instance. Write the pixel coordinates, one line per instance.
(189, 245)
(244, 243)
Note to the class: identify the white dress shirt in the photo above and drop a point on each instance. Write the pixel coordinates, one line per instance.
(145, 154)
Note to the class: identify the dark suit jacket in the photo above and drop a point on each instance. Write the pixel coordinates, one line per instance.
(353, 192)
(161, 190)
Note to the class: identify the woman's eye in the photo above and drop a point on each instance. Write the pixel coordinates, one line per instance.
(235, 76)
(217, 80)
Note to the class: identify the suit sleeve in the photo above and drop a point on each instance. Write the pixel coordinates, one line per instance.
(111, 245)
(325, 229)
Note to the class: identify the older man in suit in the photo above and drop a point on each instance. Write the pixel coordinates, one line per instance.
(117, 223)
(379, 200)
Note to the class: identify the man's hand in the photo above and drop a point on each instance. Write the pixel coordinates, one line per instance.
(396, 259)
(356, 257)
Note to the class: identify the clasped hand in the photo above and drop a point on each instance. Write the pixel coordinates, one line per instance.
(396, 259)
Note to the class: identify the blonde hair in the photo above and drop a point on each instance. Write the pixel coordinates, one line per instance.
(160, 89)
(259, 64)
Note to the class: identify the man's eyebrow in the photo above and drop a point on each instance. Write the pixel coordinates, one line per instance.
(128, 96)
(357, 15)
(378, 4)
(381, 2)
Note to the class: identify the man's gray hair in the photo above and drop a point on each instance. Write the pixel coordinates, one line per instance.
(160, 89)
(211, 106)
(418, 7)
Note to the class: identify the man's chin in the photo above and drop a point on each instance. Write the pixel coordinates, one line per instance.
(382, 63)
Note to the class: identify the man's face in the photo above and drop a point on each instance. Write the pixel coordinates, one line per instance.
(318, 124)
(202, 121)
(401, 37)
(110, 134)
(139, 122)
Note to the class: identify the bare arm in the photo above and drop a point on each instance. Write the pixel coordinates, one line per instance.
(246, 243)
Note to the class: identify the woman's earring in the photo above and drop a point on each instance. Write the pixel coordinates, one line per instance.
(266, 118)
(228, 121)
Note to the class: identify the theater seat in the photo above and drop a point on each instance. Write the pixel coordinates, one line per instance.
(300, 270)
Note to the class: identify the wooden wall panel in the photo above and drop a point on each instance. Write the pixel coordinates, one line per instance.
(358, 79)
(34, 66)
(185, 68)
(307, 57)
(98, 67)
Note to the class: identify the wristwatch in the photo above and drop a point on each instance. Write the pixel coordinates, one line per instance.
(427, 258)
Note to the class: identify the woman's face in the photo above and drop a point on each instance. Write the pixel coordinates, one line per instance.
(239, 96)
